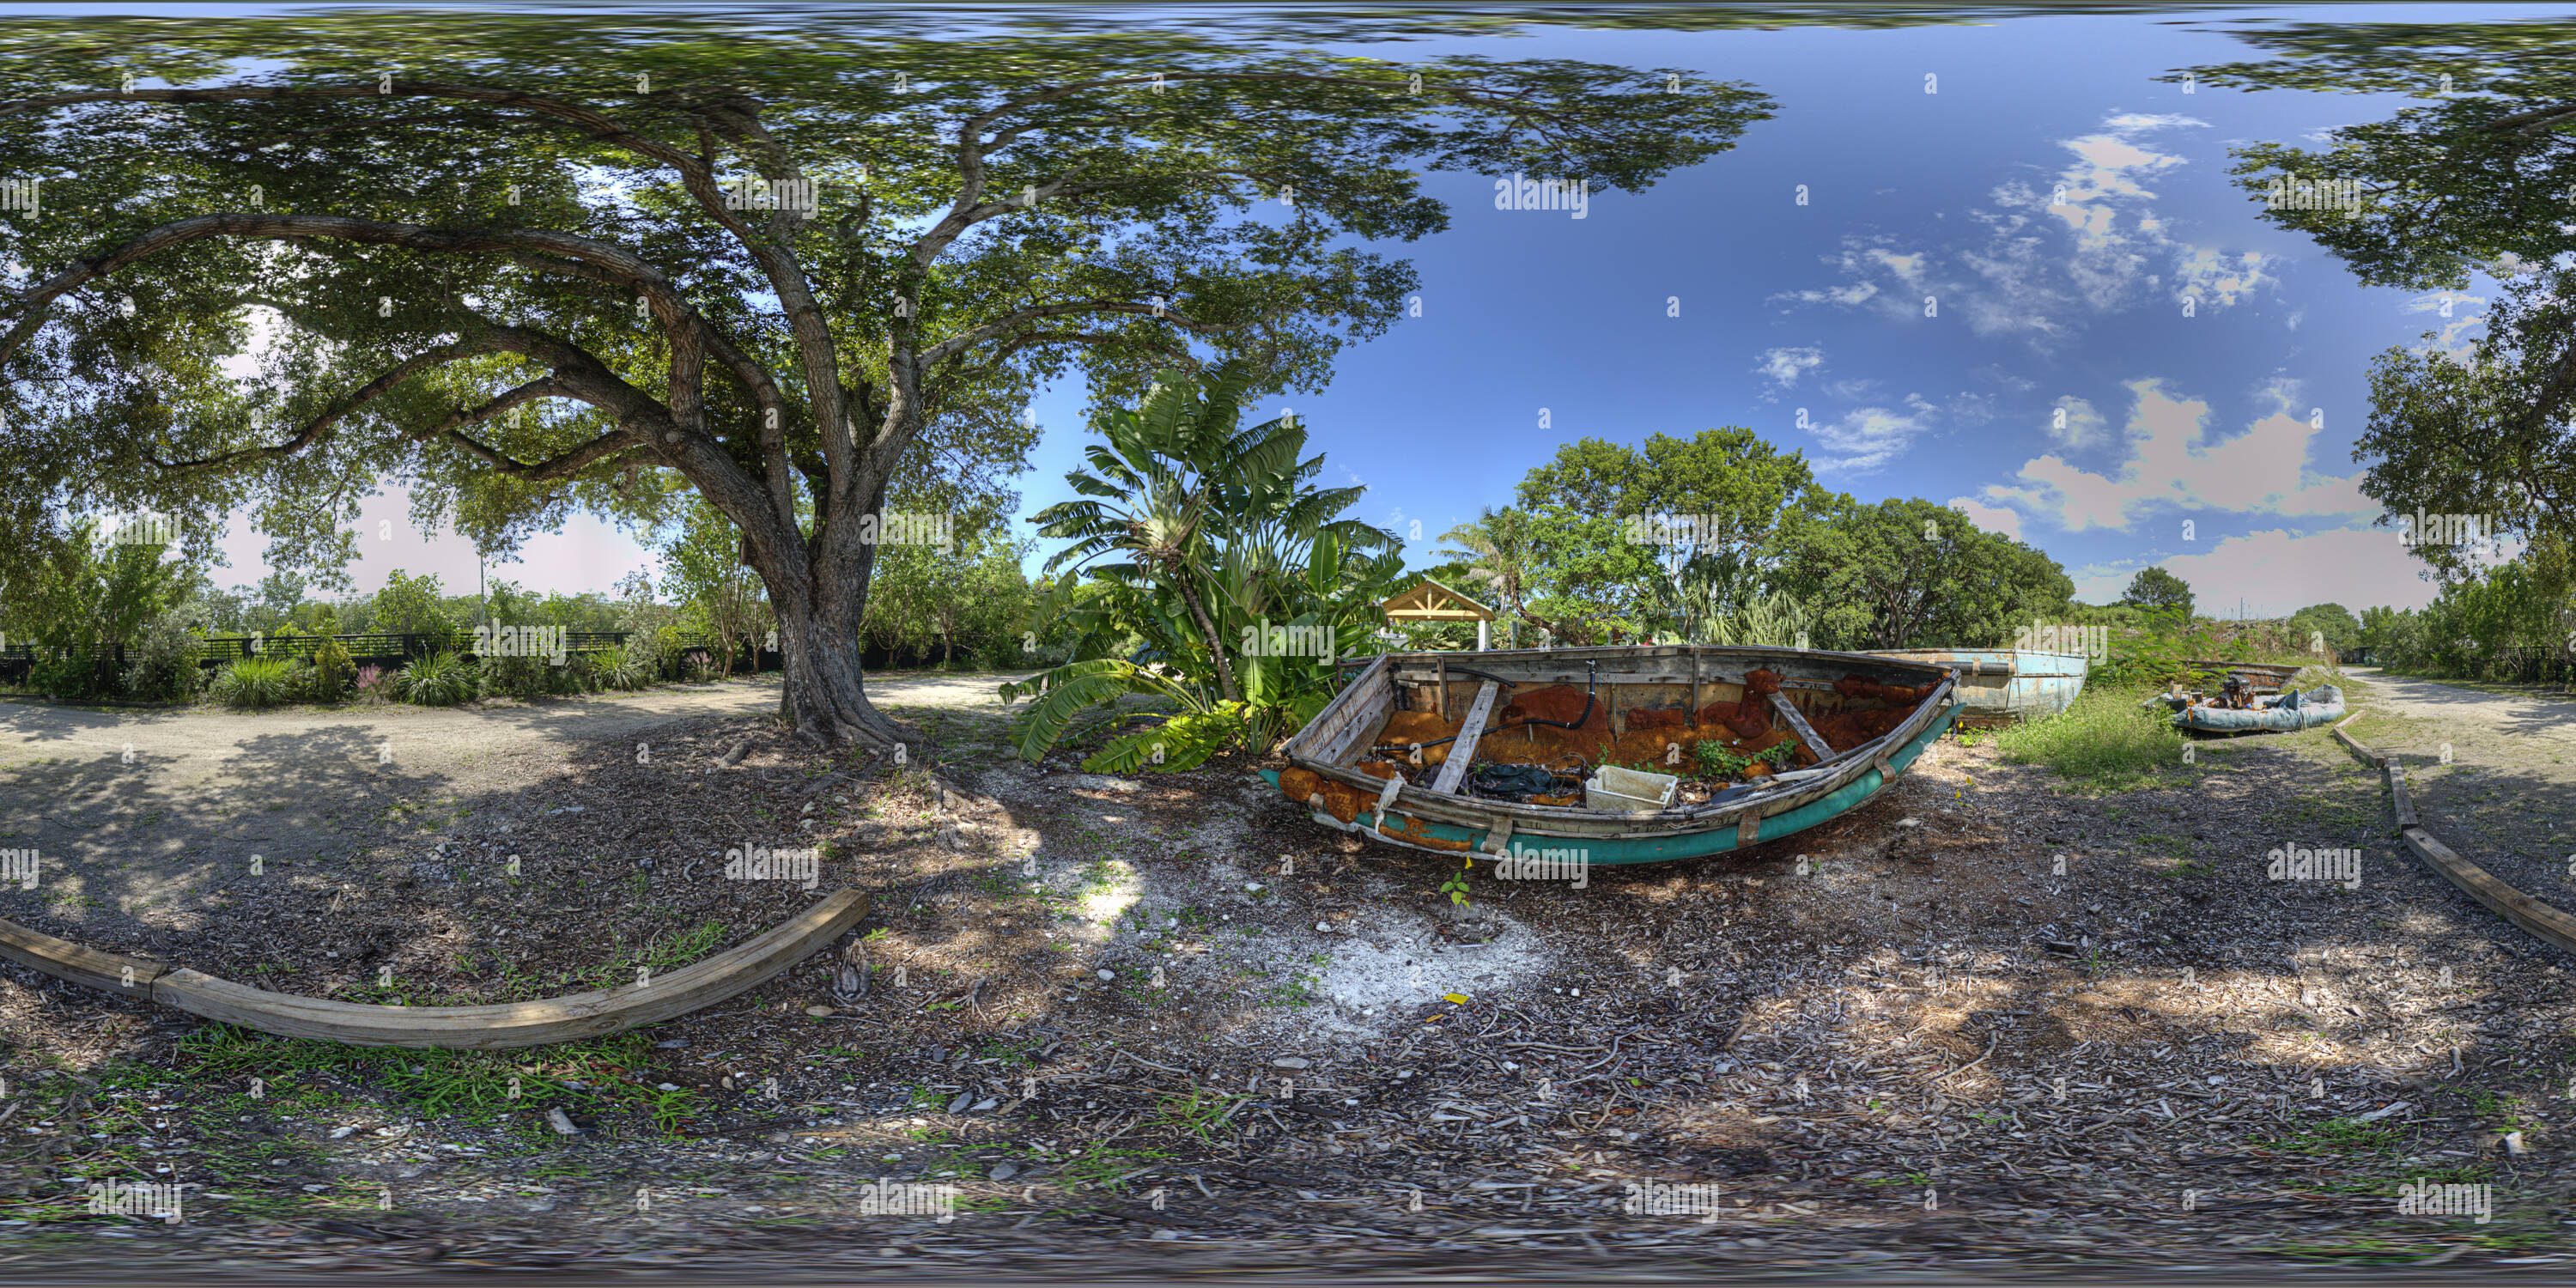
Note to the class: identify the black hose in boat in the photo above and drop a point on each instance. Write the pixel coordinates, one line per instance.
(1591, 686)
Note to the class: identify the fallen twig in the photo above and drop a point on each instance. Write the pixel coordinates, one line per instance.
(1990, 1050)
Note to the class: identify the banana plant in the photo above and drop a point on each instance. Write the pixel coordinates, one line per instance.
(1215, 538)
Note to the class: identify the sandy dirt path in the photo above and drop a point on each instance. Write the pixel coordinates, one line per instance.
(2520, 716)
(2493, 773)
(191, 745)
(145, 812)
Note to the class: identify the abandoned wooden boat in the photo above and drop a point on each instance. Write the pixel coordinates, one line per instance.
(1496, 751)
(2003, 685)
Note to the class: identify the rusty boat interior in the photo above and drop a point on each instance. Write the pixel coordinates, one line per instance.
(1462, 751)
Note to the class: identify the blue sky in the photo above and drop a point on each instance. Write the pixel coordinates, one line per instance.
(2190, 442)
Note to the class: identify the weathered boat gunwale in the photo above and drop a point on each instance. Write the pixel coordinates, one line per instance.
(492, 1027)
(1416, 800)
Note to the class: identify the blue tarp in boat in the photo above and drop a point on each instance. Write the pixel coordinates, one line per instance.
(2321, 705)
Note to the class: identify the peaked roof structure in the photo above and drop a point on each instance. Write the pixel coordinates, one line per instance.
(1429, 601)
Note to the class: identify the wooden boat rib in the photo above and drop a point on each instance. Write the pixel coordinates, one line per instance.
(1409, 810)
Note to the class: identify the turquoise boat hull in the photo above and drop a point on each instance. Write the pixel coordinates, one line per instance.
(2001, 685)
(1662, 849)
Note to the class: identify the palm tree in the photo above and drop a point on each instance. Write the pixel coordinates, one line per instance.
(1500, 550)
(1274, 517)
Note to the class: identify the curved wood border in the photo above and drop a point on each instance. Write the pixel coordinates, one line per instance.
(2542, 921)
(469, 1028)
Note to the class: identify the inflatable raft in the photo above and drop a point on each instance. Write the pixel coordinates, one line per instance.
(2289, 711)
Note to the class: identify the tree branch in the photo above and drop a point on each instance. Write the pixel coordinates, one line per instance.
(314, 429)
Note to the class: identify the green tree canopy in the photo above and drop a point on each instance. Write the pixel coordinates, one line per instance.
(528, 275)
(1729, 476)
(2154, 590)
(1907, 573)
(2482, 169)
(1627, 534)
(2480, 176)
(2485, 435)
(2341, 630)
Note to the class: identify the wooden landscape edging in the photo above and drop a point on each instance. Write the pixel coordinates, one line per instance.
(470, 1028)
(2541, 920)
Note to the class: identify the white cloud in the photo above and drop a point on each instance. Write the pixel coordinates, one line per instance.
(2087, 241)
(1992, 518)
(1970, 408)
(1869, 437)
(2085, 427)
(2220, 280)
(2457, 322)
(1787, 364)
(2275, 573)
(1862, 259)
(2172, 463)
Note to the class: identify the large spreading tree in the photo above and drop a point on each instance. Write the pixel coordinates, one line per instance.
(2477, 175)
(277, 263)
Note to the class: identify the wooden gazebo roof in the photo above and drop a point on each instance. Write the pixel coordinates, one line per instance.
(1429, 601)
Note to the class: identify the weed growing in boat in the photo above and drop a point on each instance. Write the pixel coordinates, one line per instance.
(1717, 760)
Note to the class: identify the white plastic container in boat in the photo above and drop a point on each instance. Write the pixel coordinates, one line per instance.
(1629, 791)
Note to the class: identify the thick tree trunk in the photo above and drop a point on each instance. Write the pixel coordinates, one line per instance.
(824, 689)
(820, 597)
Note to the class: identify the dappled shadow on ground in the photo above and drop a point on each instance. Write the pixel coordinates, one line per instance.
(1895, 1018)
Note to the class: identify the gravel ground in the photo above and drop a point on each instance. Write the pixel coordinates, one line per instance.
(1910, 1037)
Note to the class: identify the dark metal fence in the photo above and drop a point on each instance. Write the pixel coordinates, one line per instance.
(381, 647)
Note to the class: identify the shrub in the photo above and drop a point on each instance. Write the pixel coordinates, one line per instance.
(371, 679)
(254, 683)
(698, 667)
(303, 682)
(332, 671)
(635, 666)
(163, 666)
(440, 680)
(64, 677)
(518, 677)
(592, 672)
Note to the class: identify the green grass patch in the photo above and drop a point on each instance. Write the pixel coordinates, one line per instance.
(2370, 1252)
(2104, 742)
(1202, 1113)
(1099, 1164)
(2342, 1136)
(473, 1083)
